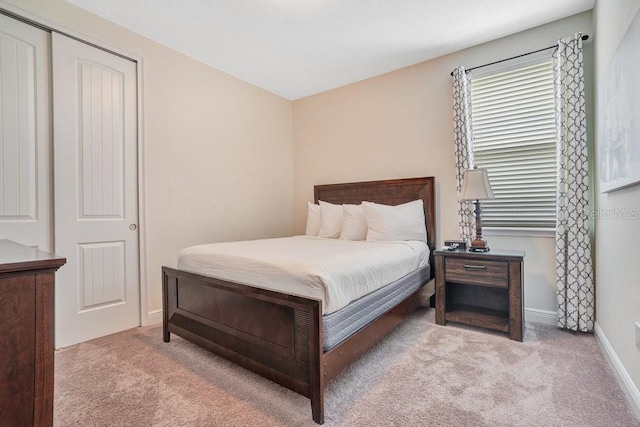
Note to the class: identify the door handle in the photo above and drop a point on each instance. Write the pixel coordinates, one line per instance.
(132, 227)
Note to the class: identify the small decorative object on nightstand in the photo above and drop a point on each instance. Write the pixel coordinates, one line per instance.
(481, 289)
(476, 187)
(455, 245)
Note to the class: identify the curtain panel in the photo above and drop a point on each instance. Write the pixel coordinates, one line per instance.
(463, 147)
(574, 272)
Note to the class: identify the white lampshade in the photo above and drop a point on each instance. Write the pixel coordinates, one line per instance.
(476, 186)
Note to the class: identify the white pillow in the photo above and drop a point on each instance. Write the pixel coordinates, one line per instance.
(330, 220)
(313, 219)
(401, 222)
(354, 226)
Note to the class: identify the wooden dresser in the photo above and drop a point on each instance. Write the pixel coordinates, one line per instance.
(26, 334)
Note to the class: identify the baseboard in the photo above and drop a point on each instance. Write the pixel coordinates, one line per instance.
(153, 317)
(545, 317)
(628, 387)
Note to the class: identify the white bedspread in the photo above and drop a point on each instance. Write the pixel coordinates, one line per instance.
(332, 270)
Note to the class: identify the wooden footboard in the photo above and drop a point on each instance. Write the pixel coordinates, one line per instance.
(275, 335)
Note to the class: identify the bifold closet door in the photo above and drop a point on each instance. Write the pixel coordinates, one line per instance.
(25, 135)
(95, 187)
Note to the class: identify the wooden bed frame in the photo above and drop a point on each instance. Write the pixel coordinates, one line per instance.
(276, 335)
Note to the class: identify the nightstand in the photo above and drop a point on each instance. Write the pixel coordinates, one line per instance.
(481, 289)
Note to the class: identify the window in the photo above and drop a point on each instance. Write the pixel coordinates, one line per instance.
(514, 137)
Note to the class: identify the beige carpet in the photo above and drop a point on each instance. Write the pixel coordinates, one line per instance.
(420, 375)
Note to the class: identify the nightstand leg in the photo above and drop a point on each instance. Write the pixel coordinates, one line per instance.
(516, 322)
(441, 299)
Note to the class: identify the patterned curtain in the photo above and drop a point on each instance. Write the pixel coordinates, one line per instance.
(463, 147)
(574, 273)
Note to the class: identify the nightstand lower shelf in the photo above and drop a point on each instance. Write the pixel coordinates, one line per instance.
(478, 316)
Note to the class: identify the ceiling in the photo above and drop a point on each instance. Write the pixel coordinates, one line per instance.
(297, 48)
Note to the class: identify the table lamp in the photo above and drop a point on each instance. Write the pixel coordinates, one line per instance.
(476, 187)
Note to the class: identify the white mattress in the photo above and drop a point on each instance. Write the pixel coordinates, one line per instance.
(332, 270)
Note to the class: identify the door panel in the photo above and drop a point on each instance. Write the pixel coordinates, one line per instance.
(25, 141)
(95, 175)
(102, 142)
(102, 275)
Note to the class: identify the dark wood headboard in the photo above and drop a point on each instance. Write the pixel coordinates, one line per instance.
(389, 192)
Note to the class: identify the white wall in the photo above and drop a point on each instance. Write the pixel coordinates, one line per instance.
(617, 261)
(400, 124)
(540, 272)
(218, 151)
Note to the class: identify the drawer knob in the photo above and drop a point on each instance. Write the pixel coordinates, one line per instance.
(475, 267)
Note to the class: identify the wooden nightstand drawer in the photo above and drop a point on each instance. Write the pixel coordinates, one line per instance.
(478, 272)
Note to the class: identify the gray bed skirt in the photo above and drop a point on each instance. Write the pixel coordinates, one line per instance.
(339, 325)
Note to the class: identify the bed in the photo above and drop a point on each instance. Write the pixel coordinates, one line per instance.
(278, 335)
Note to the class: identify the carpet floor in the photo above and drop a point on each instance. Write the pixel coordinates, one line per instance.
(421, 374)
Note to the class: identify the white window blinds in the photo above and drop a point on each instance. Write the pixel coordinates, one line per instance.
(514, 137)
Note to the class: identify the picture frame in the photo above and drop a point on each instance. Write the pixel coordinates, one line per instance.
(618, 142)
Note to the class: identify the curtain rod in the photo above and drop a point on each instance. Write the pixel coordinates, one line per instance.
(585, 37)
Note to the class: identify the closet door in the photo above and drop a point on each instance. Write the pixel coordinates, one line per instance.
(96, 200)
(25, 135)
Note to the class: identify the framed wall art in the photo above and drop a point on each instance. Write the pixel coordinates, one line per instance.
(619, 115)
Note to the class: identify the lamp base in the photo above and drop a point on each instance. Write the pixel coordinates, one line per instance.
(478, 245)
